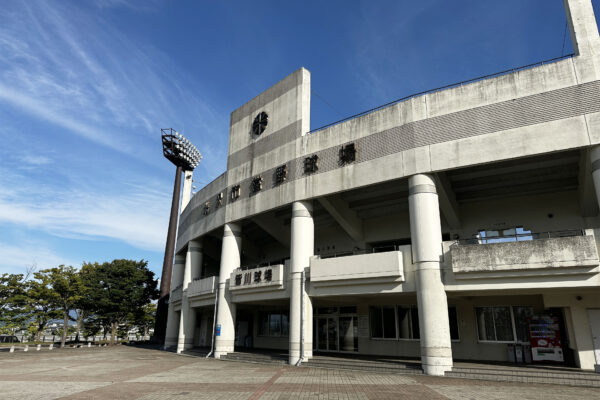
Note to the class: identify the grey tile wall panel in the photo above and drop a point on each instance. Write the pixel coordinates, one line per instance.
(539, 108)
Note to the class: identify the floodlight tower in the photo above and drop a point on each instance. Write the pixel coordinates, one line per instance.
(186, 157)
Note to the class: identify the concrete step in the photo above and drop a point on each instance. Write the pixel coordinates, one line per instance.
(256, 358)
(363, 365)
(584, 379)
(197, 352)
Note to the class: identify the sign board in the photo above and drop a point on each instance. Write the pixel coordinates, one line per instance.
(218, 330)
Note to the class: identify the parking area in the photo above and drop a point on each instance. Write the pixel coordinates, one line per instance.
(122, 372)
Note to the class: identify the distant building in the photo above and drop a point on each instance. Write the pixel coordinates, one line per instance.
(458, 224)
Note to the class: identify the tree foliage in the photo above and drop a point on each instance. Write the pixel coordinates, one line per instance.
(66, 289)
(112, 296)
(118, 290)
(13, 301)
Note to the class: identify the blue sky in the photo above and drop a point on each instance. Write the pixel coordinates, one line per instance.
(85, 87)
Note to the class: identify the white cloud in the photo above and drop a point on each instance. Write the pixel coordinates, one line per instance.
(16, 259)
(95, 81)
(137, 215)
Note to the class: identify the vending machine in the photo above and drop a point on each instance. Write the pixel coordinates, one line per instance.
(544, 336)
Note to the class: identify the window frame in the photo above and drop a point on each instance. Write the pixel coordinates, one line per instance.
(269, 334)
(512, 320)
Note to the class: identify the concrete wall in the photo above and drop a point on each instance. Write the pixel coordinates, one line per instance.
(544, 255)
(359, 269)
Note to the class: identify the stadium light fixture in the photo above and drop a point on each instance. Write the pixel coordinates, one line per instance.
(185, 156)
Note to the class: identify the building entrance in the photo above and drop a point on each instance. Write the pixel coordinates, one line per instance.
(335, 329)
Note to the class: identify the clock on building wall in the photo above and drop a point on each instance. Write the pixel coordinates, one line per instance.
(260, 123)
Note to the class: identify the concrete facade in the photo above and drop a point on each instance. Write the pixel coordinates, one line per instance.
(460, 215)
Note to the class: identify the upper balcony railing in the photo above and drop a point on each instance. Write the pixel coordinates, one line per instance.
(176, 294)
(438, 89)
(357, 251)
(520, 237)
(526, 255)
(203, 286)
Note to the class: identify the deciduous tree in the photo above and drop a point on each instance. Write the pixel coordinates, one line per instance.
(118, 289)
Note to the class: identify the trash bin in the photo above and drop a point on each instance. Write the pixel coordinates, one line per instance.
(510, 349)
(519, 353)
(527, 353)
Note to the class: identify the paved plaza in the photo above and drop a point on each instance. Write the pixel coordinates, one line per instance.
(134, 373)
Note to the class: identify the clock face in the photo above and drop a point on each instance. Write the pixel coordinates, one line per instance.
(260, 123)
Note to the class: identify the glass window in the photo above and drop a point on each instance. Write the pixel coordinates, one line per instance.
(285, 324)
(408, 322)
(404, 329)
(522, 315)
(275, 324)
(376, 322)
(503, 324)
(389, 323)
(414, 322)
(485, 323)
(500, 323)
(263, 324)
(453, 319)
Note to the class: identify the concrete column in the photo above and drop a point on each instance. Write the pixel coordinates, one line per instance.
(426, 235)
(171, 334)
(230, 260)
(585, 39)
(186, 196)
(302, 248)
(187, 320)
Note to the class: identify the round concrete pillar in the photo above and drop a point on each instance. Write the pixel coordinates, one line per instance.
(426, 235)
(187, 320)
(230, 260)
(178, 271)
(195, 258)
(301, 249)
(172, 331)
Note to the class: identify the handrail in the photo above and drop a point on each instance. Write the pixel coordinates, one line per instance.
(520, 237)
(261, 265)
(452, 85)
(357, 251)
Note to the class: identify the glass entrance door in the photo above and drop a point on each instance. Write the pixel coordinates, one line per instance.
(327, 334)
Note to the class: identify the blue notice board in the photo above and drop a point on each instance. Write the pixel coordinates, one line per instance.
(218, 330)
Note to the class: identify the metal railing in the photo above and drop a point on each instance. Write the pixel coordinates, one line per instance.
(263, 264)
(357, 251)
(520, 237)
(438, 89)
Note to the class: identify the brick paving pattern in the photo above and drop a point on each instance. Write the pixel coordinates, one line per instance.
(135, 373)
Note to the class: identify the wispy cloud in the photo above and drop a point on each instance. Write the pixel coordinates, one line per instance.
(68, 67)
(17, 259)
(135, 215)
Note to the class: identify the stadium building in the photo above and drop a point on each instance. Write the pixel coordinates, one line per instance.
(458, 224)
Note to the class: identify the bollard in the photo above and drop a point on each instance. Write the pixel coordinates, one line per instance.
(26, 348)
(51, 346)
(12, 349)
(89, 344)
(38, 348)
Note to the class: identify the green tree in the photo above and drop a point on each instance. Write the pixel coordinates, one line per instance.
(65, 283)
(12, 302)
(144, 318)
(41, 302)
(117, 290)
